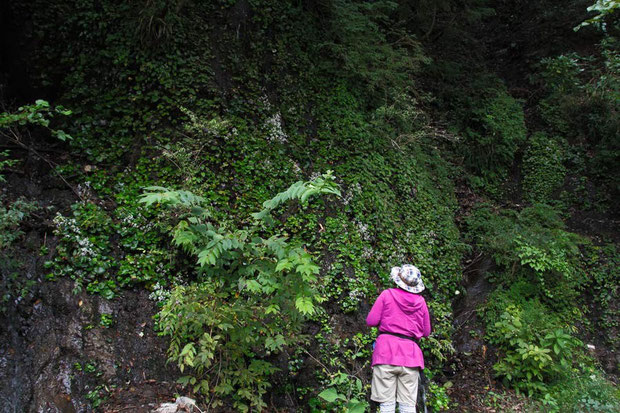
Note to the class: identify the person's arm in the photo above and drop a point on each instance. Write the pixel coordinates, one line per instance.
(374, 316)
(426, 321)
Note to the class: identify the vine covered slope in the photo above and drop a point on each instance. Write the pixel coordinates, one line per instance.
(205, 198)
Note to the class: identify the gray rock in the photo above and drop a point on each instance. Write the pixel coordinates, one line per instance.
(167, 408)
(185, 403)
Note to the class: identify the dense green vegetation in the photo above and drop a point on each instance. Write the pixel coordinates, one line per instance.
(186, 118)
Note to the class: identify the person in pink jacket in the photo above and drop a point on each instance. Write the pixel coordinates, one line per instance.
(402, 317)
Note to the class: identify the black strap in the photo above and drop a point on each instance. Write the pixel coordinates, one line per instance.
(415, 340)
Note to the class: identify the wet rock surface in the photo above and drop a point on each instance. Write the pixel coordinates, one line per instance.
(56, 357)
(468, 328)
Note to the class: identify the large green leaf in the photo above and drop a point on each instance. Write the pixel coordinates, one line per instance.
(331, 395)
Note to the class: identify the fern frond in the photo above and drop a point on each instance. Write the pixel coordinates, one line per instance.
(303, 191)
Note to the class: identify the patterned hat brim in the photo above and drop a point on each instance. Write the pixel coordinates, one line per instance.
(418, 288)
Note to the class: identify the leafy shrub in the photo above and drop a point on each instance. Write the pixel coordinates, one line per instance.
(359, 38)
(340, 368)
(604, 9)
(351, 400)
(5, 162)
(253, 298)
(439, 343)
(438, 399)
(38, 114)
(539, 355)
(488, 123)
(495, 132)
(12, 212)
(533, 348)
(217, 338)
(533, 245)
(543, 168)
(84, 250)
(581, 105)
(562, 73)
(11, 215)
(585, 391)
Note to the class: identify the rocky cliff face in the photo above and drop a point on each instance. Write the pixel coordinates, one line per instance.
(58, 357)
(66, 352)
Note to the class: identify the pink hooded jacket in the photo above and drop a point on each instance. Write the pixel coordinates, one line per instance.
(399, 311)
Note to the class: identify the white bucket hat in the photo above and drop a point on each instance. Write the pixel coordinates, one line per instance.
(408, 278)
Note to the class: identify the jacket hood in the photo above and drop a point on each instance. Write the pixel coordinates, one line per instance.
(409, 303)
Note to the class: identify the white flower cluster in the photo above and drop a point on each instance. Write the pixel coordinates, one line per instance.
(347, 195)
(368, 253)
(159, 293)
(130, 220)
(363, 230)
(86, 248)
(314, 175)
(84, 190)
(69, 228)
(264, 100)
(275, 131)
(356, 294)
(66, 225)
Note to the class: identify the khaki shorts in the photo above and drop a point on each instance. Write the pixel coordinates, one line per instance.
(394, 382)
